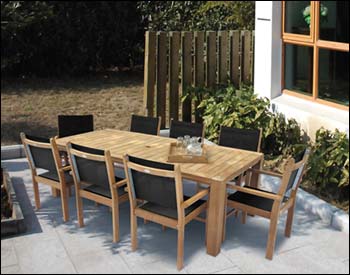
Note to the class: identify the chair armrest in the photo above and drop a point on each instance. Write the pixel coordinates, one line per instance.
(269, 173)
(195, 198)
(120, 183)
(66, 168)
(257, 193)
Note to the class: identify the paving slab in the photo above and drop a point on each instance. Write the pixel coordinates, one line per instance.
(51, 246)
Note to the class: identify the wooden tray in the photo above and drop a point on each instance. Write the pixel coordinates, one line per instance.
(176, 156)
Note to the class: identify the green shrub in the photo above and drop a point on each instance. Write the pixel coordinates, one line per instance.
(328, 169)
(197, 15)
(241, 108)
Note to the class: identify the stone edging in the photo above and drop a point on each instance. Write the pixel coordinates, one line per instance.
(328, 213)
(12, 152)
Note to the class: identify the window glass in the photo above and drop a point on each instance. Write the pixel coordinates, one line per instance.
(298, 17)
(333, 79)
(334, 21)
(298, 68)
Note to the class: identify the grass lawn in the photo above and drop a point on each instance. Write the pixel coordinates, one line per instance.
(32, 105)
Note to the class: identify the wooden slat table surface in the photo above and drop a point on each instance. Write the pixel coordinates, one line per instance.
(223, 165)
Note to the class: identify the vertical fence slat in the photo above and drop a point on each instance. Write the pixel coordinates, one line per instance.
(186, 74)
(199, 72)
(211, 59)
(174, 75)
(252, 57)
(149, 73)
(246, 57)
(161, 76)
(222, 59)
(234, 58)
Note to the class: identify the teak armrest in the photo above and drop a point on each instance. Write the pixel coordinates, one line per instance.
(195, 198)
(257, 193)
(120, 183)
(66, 168)
(269, 173)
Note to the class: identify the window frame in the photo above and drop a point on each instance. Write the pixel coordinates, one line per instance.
(317, 44)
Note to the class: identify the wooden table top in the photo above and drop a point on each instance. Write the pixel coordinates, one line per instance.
(223, 165)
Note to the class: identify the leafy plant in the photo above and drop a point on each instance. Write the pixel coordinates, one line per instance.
(197, 15)
(329, 164)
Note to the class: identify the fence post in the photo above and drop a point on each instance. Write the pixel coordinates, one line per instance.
(199, 72)
(222, 58)
(149, 73)
(186, 74)
(161, 76)
(246, 57)
(234, 58)
(174, 45)
(211, 59)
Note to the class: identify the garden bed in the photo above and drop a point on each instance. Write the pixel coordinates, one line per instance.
(12, 220)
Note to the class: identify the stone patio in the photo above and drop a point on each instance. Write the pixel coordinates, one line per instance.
(51, 246)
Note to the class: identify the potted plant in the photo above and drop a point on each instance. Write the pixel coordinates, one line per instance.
(307, 14)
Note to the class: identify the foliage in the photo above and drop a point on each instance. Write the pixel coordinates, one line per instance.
(54, 37)
(329, 163)
(197, 15)
(241, 108)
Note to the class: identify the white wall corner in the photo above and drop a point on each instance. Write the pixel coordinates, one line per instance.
(268, 49)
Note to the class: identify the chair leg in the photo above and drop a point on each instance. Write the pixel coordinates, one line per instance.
(272, 236)
(224, 223)
(133, 220)
(115, 220)
(55, 192)
(64, 200)
(79, 202)
(289, 223)
(180, 247)
(244, 217)
(36, 194)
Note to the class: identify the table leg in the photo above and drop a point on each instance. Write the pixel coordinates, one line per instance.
(255, 177)
(215, 219)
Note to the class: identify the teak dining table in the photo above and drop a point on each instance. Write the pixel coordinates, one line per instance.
(224, 164)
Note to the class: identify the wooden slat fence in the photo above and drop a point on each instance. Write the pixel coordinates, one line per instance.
(177, 60)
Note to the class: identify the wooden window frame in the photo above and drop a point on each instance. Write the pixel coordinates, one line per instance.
(317, 44)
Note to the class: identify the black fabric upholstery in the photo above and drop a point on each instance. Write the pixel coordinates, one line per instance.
(170, 212)
(106, 192)
(180, 129)
(294, 174)
(154, 189)
(253, 200)
(42, 157)
(88, 150)
(245, 139)
(69, 125)
(54, 176)
(144, 125)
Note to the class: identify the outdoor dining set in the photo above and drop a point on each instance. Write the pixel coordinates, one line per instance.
(157, 167)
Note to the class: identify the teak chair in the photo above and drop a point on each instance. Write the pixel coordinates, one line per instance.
(69, 125)
(270, 205)
(43, 153)
(156, 194)
(145, 125)
(95, 180)
(180, 129)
